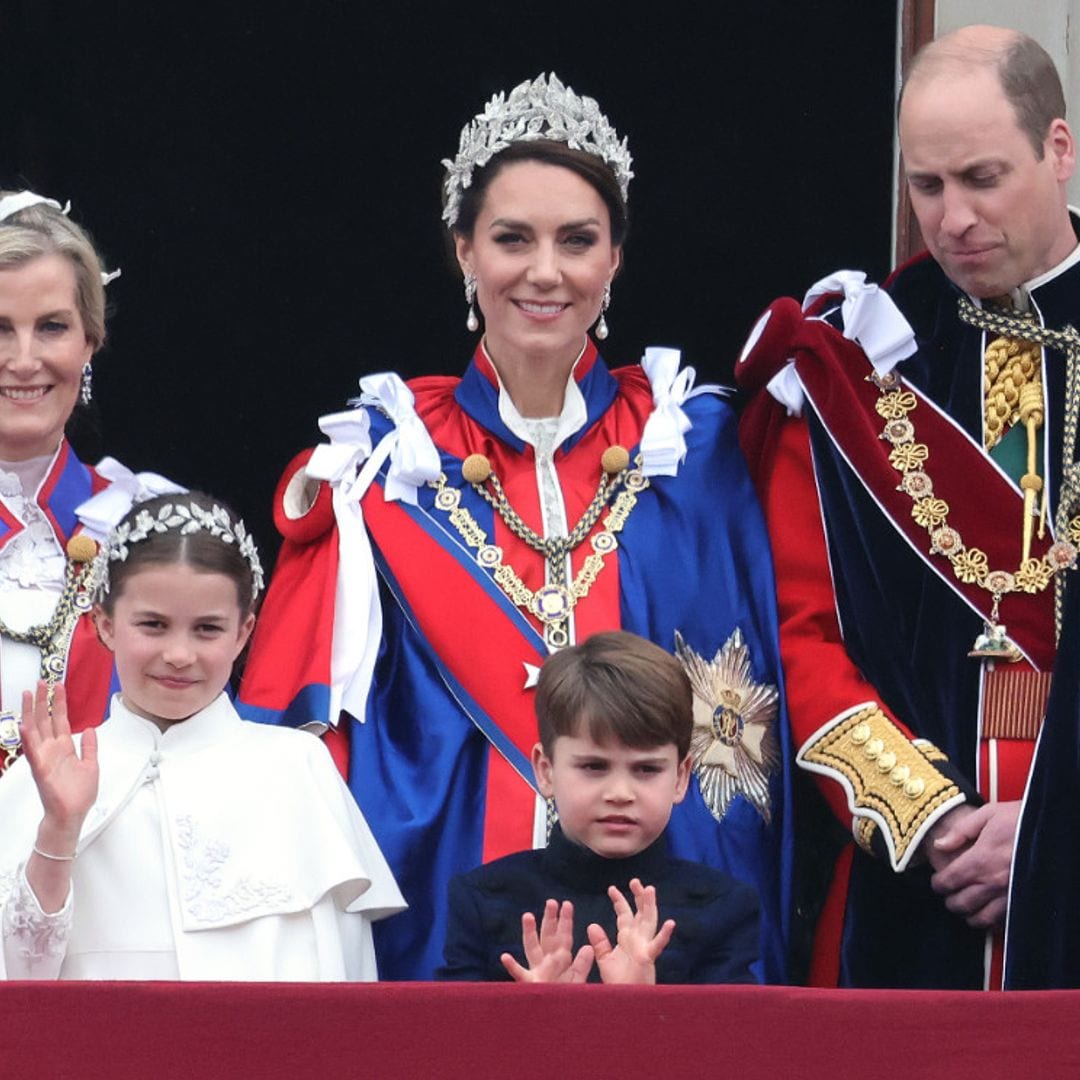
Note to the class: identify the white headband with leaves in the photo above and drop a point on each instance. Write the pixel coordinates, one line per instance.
(186, 518)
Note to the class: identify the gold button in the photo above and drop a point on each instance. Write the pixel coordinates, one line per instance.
(614, 459)
(914, 787)
(860, 734)
(886, 761)
(81, 549)
(873, 748)
(475, 469)
(900, 775)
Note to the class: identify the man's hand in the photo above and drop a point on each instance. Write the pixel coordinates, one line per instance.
(970, 850)
(549, 954)
(638, 944)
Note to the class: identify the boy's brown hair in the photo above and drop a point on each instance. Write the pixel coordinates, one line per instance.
(617, 686)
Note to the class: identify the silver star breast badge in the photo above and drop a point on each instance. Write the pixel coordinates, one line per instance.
(733, 748)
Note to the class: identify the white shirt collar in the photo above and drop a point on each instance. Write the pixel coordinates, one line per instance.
(1022, 292)
(1070, 260)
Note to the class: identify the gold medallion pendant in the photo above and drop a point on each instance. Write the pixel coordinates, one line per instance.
(733, 747)
(553, 603)
(10, 739)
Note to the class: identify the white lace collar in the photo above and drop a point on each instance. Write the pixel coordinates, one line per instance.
(556, 428)
(23, 479)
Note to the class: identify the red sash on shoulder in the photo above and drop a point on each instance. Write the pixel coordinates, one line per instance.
(833, 372)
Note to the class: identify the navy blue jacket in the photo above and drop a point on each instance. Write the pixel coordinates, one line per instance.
(716, 917)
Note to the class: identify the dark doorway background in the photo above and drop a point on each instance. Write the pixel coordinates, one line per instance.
(268, 178)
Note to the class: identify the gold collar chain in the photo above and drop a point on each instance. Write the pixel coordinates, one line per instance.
(1067, 342)
(53, 638)
(554, 602)
(970, 564)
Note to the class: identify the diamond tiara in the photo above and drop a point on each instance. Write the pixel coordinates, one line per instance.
(185, 518)
(536, 110)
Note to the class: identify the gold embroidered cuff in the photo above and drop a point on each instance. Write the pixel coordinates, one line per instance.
(890, 780)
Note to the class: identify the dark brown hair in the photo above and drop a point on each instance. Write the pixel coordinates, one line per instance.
(616, 686)
(200, 550)
(594, 170)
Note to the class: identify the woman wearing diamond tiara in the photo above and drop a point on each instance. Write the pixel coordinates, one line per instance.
(52, 321)
(203, 847)
(455, 531)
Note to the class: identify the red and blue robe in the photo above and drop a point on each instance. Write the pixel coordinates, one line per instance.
(89, 677)
(870, 615)
(440, 763)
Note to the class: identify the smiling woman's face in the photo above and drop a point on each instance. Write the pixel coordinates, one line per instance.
(43, 349)
(541, 251)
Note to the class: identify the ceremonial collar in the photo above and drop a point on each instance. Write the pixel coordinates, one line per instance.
(67, 485)
(581, 867)
(480, 395)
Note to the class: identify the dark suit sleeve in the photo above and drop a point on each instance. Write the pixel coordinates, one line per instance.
(732, 945)
(464, 953)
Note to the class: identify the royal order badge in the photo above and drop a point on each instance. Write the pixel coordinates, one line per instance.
(733, 747)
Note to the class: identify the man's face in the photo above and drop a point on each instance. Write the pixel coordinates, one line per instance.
(991, 213)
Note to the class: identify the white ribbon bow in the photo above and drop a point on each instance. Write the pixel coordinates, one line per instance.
(414, 460)
(101, 513)
(338, 461)
(349, 463)
(870, 317)
(663, 442)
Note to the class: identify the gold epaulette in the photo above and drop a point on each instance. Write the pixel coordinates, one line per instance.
(891, 781)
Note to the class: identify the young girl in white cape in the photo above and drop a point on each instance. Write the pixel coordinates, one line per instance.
(179, 841)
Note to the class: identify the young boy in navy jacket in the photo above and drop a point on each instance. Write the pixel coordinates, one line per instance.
(604, 901)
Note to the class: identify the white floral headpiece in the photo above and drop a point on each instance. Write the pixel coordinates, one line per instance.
(20, 200)
(536, 110)
(186, 518)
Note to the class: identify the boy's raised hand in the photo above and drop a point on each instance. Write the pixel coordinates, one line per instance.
(550, 954)
(633, 957)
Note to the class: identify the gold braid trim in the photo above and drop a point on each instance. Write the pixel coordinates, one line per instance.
(1067, 342)
(929, 750)
(863, 830)
(1009, 364)
(893, 781)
